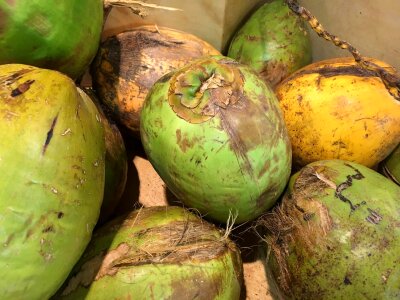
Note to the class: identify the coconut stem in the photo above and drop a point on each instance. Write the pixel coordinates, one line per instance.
(391, 81)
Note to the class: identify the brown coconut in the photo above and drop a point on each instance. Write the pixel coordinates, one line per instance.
(129, 63)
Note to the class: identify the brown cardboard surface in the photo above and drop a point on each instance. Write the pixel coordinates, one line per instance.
(369, 25)
(213, 21)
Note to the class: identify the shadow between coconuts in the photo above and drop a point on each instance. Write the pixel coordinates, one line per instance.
(130, 198)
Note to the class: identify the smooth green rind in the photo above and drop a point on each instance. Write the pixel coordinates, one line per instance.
(51, 185)
(62, 35)
(333, 248)
(391, 166)
(237, 161)
(274, 41)
(157, 253)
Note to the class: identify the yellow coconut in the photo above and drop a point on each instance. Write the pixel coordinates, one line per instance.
(336, 109)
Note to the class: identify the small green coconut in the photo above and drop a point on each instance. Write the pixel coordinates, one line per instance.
(391, 166)
(215, 134)
(157, 253)
(273, 41)
(51, 182)
(336, 234)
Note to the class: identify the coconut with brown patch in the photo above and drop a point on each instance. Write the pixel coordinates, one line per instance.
(129, 63)
(214, 132)
(157, 253)
(336, 234)
(52, 179)
(273, 41)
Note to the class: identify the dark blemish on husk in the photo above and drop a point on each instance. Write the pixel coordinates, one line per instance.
(299, 98)
(264, 169)
(299, 208)
(15, 76)
(49, 135)
(22, 88)
(253, 38)
(185, 143)
(165, 78)
(192, 288)
(373, 217)
(60, 215)
(329, 71)
(273, 72)
(78, 107)
(385, 276)
(345, 185)
(347, 281)
(49, 228)
(9, 239)
(308, 216)
(236, 142)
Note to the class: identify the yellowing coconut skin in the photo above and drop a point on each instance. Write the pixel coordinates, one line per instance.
(335, 109)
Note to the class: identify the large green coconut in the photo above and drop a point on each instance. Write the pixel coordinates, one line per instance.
(214, 132)
(51, 181)
(157, 253)
(273, 41)
(391, 166)
(62, 35)
(336, 234)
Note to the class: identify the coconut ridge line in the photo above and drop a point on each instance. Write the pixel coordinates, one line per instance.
(391, 81)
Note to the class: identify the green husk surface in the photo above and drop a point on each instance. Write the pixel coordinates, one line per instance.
(52, 180)
(215, 134)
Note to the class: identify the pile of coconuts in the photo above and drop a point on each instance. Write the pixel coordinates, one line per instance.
(306, 154)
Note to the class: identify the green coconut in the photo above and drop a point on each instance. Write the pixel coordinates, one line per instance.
(336, 234)
(391, 166)
(157, 253)
(51, 185)
(62, 35)
(214, 132)
(273, 41)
